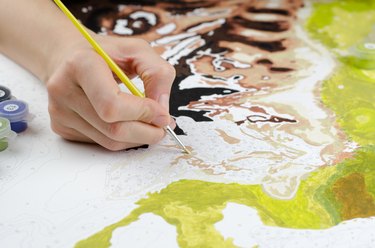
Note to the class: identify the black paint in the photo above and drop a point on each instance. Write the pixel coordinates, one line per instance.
(268, 11)
(271, 26)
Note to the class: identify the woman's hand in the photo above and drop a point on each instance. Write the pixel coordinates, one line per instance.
(86, 104)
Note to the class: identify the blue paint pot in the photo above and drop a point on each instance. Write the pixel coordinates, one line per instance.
(5, 93)
(16, 112)
(5, 133)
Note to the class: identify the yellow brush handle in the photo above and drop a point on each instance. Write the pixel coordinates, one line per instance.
(114, 67)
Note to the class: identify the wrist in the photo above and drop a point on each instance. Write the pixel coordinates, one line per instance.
(59, 49)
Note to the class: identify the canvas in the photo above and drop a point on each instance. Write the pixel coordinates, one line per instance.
(276, 109)
(276, 101)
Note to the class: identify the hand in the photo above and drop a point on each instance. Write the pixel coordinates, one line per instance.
(86, 104)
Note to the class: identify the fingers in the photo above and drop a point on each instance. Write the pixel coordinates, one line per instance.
(86, 104)
(111, 104)
(119, 136)
(130, 131)
(156, 73)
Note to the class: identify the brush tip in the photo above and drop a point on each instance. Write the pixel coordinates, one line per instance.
(187, 151)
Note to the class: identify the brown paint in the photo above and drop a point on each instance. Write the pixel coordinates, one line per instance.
(228, 139)
(350, 191)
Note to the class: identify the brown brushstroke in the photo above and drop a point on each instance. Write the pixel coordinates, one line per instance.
(350, 191)
(261, 118)
(269, 26)
(280, 69)
(227, 138)
(269, 46)
(283, 12)
(268, 64)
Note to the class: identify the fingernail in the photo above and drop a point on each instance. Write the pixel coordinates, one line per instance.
(161, 121)
(164, 101)
(172, 124)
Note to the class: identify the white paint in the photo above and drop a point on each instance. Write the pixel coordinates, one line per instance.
(137, 24)
(247, 58)
(370, 46)
(166, 29)
(204, 25)
(265, 17)
(150, 17)
(254, 33)
(173, 38)
(121, 27)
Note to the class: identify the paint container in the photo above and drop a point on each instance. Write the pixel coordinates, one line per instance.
(5, 133)
(16, 112)
(5, 94)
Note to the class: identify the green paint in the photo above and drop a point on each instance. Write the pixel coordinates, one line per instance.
(3, 144)
(341, 24)
(193, 207)
(350, 93)
(4, 132)
(362, 56)
(345, 25)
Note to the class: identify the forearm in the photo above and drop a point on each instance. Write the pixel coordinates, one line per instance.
(32, 32)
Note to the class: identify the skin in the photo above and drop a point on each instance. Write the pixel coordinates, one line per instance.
(277, 140)
(85, 102)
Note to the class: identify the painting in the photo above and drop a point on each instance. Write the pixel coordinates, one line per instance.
(275, 99)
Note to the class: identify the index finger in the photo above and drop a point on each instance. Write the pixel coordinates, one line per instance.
(156, 73)
(110, 103)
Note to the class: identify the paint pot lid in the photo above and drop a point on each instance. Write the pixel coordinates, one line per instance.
(5, 93)
(5, 129)
(14, 110)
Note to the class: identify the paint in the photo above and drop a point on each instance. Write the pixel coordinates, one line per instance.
(323, 199)
(16, 112)
(5, 93)
(227, 138)
(354, 78)
(194, 207)
(363, 55)
(5, 133)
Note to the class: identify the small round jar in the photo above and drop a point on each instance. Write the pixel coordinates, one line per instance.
(5, 132)
(5, 94)
(16, 111)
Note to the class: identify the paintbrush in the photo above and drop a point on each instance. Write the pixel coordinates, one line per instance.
(114, 67)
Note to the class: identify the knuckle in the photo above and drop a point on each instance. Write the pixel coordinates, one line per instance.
(61, 131)
(54, 110)
(107, 110)
(167, 70)
(54, 87)
(146, 113)
(55, 128)
(73, 61)
(80, 60)
(114, 129)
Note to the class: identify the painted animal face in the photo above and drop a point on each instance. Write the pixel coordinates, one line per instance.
(246, 85)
